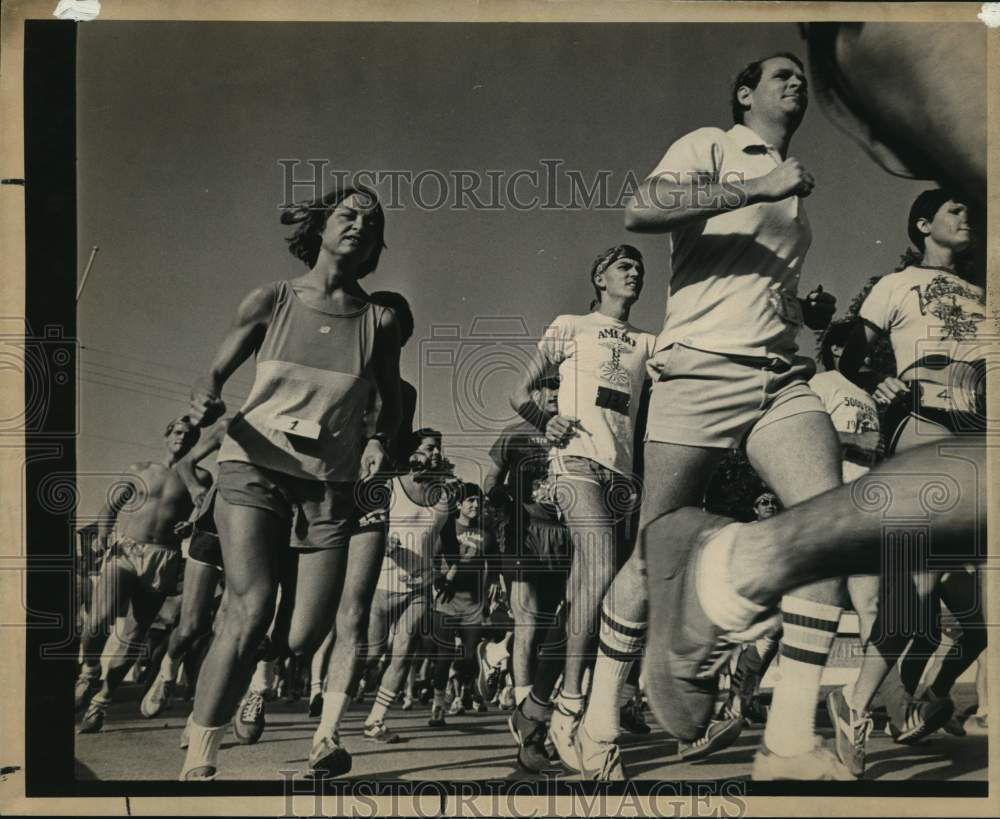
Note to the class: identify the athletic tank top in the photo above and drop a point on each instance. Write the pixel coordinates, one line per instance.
(411, 542)
(305, 413)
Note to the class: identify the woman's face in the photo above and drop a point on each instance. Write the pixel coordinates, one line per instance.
(950, 226)
(350, 227)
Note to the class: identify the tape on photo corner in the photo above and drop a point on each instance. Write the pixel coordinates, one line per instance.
(79, 10)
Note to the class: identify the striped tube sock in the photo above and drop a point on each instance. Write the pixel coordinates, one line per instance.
(619, 645)
(383, 699)
(809, 632)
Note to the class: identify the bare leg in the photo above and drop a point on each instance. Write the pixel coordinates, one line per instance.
(355, 597)
(250, 539)
(200, 582)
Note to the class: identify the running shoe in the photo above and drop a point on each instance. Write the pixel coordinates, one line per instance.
(93, 717)
(686, 650)
(377, 732)
(977, 725)
(437, 717)
(84, 690)
(819, 764)
(328, 759)
(562, 729)
(203, 773)
(457, 708)
(248, 722)
(920, 719)
(851, 731)
(632, 719)
(720, 734)
(407, 702)
(157, 697)
(530, 736)
(597, 761)
(506, 698)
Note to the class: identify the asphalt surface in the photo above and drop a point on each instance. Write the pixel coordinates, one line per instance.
(471, 747)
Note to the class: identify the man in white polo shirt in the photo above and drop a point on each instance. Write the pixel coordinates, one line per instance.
(727, 374)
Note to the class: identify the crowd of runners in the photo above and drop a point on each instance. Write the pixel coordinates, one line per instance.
(337, 556)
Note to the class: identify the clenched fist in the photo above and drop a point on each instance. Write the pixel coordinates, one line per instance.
(788, 179)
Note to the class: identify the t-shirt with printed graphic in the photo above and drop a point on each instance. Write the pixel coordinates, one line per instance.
(475, 548)
(523, 452)
(852, 410)
(931, 316)
(602, 368)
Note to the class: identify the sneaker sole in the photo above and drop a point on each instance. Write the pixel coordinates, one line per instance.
(927, 728)
(726, 737)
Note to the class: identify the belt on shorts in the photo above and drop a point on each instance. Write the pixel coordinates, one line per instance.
(860, 457)
(774, 365)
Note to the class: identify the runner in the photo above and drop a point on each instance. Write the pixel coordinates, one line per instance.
(601, 360)
(460, 598)
(140, 530)
(202, 575)
(536, 543)
(728, 375)
(294, 455)
(419, 507)
(931, 310)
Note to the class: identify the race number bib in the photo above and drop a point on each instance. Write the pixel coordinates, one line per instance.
(786, 305)
(614, 400)
(296, 426)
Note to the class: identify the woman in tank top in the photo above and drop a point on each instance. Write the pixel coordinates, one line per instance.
(297, 464)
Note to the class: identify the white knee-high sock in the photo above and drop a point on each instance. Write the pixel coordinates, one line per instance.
(619, 645)
(809, 629)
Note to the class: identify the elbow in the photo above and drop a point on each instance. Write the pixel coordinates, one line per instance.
(633, 218)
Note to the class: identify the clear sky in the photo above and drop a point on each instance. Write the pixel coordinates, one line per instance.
(182, 127)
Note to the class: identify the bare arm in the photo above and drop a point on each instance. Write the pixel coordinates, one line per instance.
(665, 203)
(558, 428)
(860, 340)
(242, 338)
(385, 367)
(195, 479)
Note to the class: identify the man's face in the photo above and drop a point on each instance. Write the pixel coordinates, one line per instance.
(622, 279)
(179, 439)
(782, 93)
(350, 228)
(766, 507)
(548, 398)
(427, 456)
(950, 226)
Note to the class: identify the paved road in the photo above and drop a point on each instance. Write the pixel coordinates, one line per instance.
(471, 747)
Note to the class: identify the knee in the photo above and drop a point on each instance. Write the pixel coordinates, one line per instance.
(247, 619)
(352, 622)
(304, 640)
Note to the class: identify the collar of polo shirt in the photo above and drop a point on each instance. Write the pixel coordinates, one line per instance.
(748, 139)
